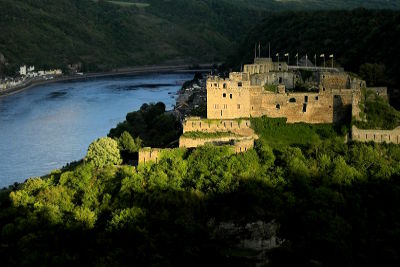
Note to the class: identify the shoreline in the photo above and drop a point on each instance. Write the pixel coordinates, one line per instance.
(117, 72)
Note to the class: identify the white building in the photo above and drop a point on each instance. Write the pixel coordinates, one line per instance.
(22, 70)
(31, 69)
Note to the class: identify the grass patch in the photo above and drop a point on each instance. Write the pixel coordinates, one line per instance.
(271, 88)
(277, 132)
(204, 135)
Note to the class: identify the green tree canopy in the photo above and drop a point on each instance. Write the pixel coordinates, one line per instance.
(104, 151)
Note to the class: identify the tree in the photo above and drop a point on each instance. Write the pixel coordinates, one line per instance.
(127, 143)
(104, 151)
(373, 74)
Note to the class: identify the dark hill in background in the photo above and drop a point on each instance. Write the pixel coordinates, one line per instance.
(109, 34)
(354, 37)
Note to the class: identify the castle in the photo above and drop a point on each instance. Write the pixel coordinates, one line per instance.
(269, 88)
(275, 89)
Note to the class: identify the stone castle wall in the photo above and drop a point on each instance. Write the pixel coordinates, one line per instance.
(195, 124)
(228, 99)
(240, 144)
(296, 107)
(378, 136)
(147, 155)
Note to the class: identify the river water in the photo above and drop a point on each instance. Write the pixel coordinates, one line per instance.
(45, 127)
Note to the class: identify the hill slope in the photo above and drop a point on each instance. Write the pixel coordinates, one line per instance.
(105, 34)
(354, 37)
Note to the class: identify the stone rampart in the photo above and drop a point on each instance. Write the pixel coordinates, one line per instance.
(196, 124)
(240, 144)
(147, 155)
(378, 136)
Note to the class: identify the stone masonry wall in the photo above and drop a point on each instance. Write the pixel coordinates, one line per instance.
(296, 107)
(196, 124)
(147, 155)
(378, 136)
(227, 99)
(240, 144)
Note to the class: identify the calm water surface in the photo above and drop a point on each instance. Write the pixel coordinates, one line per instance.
(43, 128)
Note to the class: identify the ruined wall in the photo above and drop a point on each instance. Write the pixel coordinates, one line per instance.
(330, 80)
(288, 79)
(240, 144)
(227, 99)
(378, 136)
(148, 154)
(296, 107)
(195, 124)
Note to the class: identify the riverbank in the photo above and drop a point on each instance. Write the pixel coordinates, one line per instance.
(117, 72)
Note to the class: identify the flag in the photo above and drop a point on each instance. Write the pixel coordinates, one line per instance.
(277, 54)
(287, 54)
(297, 55)
(322, 55)
(315, 56)
(331, 56)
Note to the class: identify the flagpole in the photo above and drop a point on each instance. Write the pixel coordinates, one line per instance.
(259, 49)
(315, 60)
(306, 60)
(255, 50)
(332, 61)
(297, 57)
(269, 49)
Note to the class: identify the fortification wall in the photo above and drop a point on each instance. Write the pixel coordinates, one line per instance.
(240, 144)
(378, 136)
(195, 124)
(148, 154)
(330, 80)
(288, 79)
(227, 99)
(296, 107)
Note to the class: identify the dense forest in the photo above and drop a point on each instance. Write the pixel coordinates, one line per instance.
(103, 35)
(362, 41)
(326, 202)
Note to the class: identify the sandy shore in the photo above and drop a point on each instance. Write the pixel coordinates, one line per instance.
(122, 71)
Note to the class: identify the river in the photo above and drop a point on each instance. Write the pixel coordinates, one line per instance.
(45, 127)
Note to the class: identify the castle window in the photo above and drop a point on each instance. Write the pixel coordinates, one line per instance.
(305, 98)
(323, 89)
(316, 98)
(278, 106)
(238, 106)
(224, 85)
(221, 113)
(280, 79)
(223, 95)
(337, 96)
(240, 84)
(292, 100)
(230, 96)
(215, 85)
(304, 108)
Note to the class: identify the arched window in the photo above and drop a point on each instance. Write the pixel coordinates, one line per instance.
(292, 100)
(278, 106)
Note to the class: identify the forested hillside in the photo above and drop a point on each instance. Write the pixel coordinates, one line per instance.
(354, 37)
(108, 34)
(331, 203)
